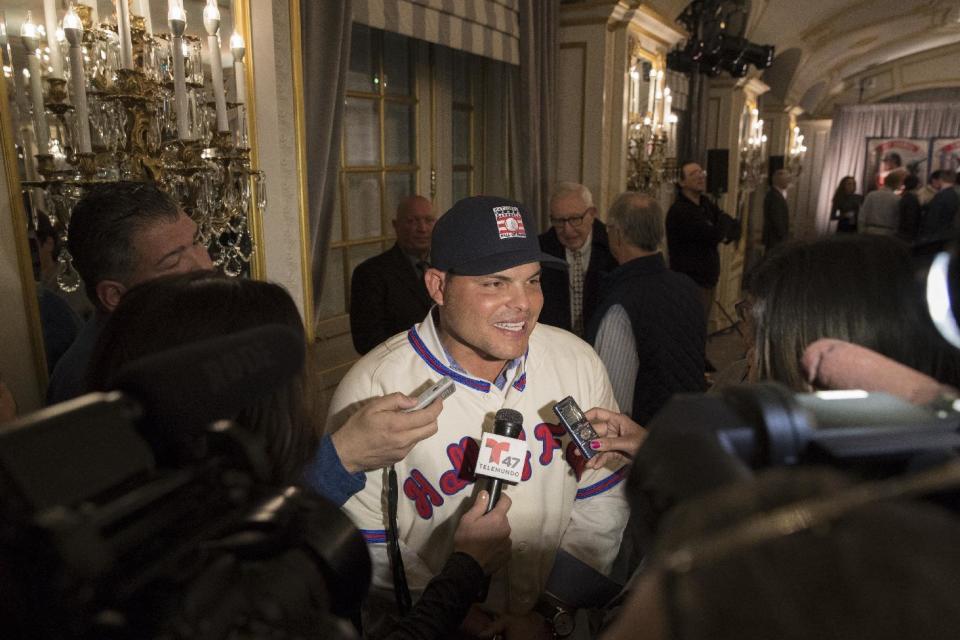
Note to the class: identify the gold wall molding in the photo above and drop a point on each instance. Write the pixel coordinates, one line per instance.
(299, 119)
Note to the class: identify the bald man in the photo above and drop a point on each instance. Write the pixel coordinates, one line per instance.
(387, 293)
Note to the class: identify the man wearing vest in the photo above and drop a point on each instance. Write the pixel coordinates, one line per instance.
(649, 329)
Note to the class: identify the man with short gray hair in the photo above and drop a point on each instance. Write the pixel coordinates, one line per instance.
(649, 329)
(578, 237)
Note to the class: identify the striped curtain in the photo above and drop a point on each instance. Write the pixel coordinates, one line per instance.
(488, 28)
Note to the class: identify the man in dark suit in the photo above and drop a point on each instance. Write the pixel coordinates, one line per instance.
(776, 213)
(570, 296)
(938, 221)
(387, 293)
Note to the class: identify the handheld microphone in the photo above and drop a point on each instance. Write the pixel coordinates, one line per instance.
(501, 454)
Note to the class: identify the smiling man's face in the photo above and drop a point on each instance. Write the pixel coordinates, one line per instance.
(486, 321)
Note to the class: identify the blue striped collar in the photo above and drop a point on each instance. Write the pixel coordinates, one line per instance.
(454, 371)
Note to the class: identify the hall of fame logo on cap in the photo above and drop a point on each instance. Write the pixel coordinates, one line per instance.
(509, 222)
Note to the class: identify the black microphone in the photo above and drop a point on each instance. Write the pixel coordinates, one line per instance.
(507, 423)
(185, 388)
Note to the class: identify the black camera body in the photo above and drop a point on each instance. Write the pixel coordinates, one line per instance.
(699, 442)
(98, 541)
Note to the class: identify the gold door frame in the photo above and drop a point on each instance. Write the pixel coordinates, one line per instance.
(300, 137)
(24, 261)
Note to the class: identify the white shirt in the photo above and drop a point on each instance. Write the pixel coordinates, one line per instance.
(617, 347)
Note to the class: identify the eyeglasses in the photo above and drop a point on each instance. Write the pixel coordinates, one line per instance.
(573, 221)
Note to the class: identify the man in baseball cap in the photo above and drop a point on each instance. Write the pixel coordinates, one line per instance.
(482, 332)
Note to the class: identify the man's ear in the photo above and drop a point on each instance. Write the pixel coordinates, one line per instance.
(436, 282)
(109, 293)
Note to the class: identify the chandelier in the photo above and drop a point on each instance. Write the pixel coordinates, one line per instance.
(797, 151)
(753, 154)
(99, 102)
(647, 133)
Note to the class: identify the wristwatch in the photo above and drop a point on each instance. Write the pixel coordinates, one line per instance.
(560, 618)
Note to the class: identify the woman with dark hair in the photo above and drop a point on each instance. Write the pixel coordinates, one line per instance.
(860, 289)
(799, 553)
(171, 311)
(846, 205)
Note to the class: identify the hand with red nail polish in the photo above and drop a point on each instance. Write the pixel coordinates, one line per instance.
(620, 438)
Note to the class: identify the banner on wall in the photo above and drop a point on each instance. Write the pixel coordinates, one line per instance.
(888, 154)
(945, 154)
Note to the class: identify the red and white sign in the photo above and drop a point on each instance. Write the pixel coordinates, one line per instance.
(501, 457)
(509, 222)
(946, 155)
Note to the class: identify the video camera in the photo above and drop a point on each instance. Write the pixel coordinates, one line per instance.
(123, 517)
(699, 442)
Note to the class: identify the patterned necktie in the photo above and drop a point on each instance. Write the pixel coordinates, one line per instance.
(576, 293)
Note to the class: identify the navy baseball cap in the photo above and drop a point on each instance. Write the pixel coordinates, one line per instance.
(485, 234)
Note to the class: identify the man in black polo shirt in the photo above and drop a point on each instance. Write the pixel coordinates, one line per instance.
(695, 226)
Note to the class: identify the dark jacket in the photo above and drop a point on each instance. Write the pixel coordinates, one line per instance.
(848, 203)
(387, 296)
(69, 378)
(693, 233)
(776, 219)
(556, 282)
(666, 316)
(941, 211)
(910, 217)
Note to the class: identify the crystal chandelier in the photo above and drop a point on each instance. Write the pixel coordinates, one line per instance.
(647, 134)
(753, 154)
(100, 103)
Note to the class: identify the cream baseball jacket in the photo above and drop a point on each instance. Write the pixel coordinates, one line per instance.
(551, 507)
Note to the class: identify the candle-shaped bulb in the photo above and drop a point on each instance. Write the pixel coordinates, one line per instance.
(634, 73)
(237, 46)
(176, 19)
(211, 17)
(73, 27)
(755, 112)
(28, 33)
(666, 91)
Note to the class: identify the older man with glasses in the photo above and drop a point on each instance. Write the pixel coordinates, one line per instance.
(576, 235)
